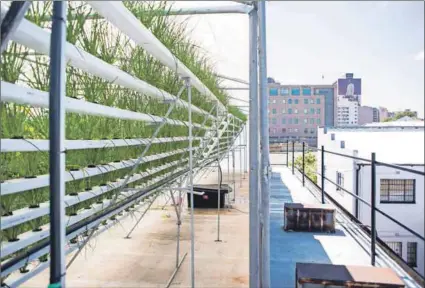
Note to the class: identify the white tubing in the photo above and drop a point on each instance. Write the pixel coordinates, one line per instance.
(33, 145)
(40, 99)
(116, 13)
(37, 38)
(19, 185)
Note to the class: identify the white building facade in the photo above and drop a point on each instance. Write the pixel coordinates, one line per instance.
(400, 194)
(347, 112)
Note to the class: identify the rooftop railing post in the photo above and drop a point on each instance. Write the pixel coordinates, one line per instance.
(287, 153)
(323, 174)
(303, 163)
(293, 157)
(57, 145)
(373, 211)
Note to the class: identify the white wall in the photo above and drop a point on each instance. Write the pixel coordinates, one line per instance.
(411, 215)
(343, 106)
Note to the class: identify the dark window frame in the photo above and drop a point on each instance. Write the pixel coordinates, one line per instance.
(386, 198)
(412, 251)
(339, 180)
(393, 244)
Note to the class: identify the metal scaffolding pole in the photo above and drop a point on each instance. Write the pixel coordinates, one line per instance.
(57, 144)
(233, 160)
(240, 159)
(218, 176)
(245, 151)
(265, 157)
(254, 232)
(192, 224)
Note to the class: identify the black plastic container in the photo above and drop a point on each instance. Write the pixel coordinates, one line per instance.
(210, 197)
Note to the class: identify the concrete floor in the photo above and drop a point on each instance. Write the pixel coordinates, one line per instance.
(148, 259)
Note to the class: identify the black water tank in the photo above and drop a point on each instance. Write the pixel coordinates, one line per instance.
(210, 197)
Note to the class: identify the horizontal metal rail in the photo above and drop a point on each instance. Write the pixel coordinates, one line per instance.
(33, 145)
(37, 38)
(398, 167)
(36, 98)
(20, 185)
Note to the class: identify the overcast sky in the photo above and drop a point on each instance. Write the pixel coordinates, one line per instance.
(381, 42)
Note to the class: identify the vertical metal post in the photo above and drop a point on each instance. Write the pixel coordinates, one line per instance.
(293, 157)
(265, 151)
(245, 162)
(373, 212)
(218, 177)
(287, 153)
(192, 224)
(254, 225)
(228, 150)
(303, 163)
(233, 159)
(240, 160)
(56, 142)
(322, 177)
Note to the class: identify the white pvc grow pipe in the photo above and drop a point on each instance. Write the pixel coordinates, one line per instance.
(36, 98)
(116, 13)
(34, 37)
(19, 185)
(31, 237)
(34, 145)
(26, 214)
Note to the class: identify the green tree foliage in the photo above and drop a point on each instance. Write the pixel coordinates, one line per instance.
(399, 115)
(310, 165)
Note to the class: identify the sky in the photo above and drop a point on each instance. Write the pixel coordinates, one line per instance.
(381, 42)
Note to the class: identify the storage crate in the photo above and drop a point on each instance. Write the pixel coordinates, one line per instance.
(309, 217)
(210, 197)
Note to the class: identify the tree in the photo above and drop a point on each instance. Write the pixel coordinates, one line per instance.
(310, 165)
(402, 114)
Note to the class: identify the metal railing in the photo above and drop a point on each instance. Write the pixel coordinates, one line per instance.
(372, 229)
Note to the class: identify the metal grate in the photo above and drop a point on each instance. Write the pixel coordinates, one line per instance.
(396, 247)
(397, 191)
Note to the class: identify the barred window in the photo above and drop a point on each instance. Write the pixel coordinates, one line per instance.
(412, 248)
(339, 180)
(397, 191)
(396, 247)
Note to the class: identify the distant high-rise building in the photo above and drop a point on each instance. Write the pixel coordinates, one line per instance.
(367, 115)
(349, 92)
(295, 111)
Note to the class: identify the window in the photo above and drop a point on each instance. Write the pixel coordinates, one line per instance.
(311, 120)
(311, 110)
(273, 111)
(318, 121)
(305, 121)
(305, 101)
(397, 191)
(295, 120)
(284, 101)
(296, 111)
(306, 91)
(289, 101)
(339, 180)
(305, 130)
(311, 101)
(295, 130)
(273, 120)
(296, 101)
(318, 101)
(290, 111)
(273, 92)
(305, 111)
(284, 91)
(290, 130)
(318, 111)
(312, 130)
(283, 130)
(295, 92)
(268, 111)
(274, 101)
(283, 120)
(289, 120)
(283, 111)
(412, 248)
(396, 247)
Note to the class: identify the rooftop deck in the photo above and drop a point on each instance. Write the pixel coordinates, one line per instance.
(148, 258)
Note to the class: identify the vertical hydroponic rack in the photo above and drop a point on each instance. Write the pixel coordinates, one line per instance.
(132, 77)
